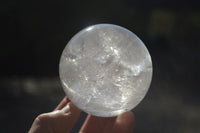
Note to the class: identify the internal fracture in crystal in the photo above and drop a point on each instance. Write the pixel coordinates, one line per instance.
(105, 70)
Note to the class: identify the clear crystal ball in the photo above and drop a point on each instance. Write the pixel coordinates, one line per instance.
(105, 70)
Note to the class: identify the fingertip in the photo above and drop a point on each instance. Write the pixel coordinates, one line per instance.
(67, 99)
(127, 118)
(66, 109)
(95, 124)
(125, 122)
(63, 103)
(73, 108)
(64, 119)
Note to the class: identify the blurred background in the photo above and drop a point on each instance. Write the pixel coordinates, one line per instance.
(35, 32)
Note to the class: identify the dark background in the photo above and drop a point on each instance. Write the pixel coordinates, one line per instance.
(35, 32)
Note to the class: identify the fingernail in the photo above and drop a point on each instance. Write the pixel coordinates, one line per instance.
(67, 99)
(66, 109)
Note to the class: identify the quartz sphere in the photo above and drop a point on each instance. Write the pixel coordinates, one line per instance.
(105, 70)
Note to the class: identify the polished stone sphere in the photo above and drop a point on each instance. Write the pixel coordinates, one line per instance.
(105, 70)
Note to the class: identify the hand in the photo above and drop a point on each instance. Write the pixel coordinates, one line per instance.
(63, 118)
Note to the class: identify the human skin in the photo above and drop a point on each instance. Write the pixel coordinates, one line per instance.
(65, 115)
